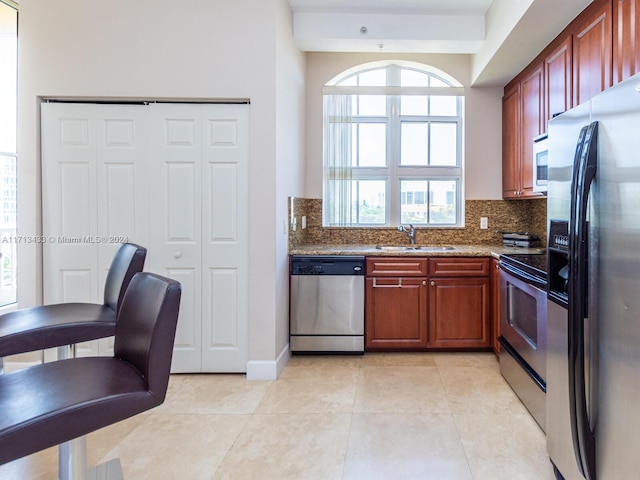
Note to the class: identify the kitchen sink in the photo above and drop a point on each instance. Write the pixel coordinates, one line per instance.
(425, 248)
(437, 248)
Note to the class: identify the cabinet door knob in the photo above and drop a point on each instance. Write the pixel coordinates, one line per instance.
(424, 282)
(433, 284)
(177, 254)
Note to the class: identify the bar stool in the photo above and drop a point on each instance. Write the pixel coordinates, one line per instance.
(45, 405)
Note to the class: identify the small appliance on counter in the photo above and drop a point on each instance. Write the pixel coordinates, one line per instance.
(518, 239)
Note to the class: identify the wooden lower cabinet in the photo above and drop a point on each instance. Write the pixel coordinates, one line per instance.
(459, 311)
(406, 308)
(396, 313)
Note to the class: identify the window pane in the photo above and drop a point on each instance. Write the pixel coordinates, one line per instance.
(443, 144)
(442, 202)
(372, 105)
(372, 145)
(412, 78)
(444, 106)
(430, 202)
(413, 208)
(414, 143)
(8, 63)
(8, 211)
(8, 192)
(369, 201)
(373, 78)
(414, 105)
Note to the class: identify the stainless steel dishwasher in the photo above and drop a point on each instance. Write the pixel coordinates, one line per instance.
(327, 304)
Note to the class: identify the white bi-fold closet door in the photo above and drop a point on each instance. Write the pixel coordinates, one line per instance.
(171, 177)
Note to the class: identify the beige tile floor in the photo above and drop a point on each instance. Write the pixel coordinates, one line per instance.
(378, 416)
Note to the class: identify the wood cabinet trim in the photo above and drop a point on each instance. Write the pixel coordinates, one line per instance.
(459, 267)
(396, 267)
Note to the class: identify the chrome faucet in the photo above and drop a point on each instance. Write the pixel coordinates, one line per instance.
(409, 232)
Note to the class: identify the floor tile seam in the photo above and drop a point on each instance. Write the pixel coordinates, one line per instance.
(232, 445)
(202, 414)
(461, 440)
(444, 390)
(147, 417)
(346, 447)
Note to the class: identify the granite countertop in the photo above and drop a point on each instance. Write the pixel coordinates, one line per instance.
(425, 250)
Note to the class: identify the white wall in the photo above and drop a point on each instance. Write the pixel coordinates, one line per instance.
(483, 118)
(290, 173)
(201, 49)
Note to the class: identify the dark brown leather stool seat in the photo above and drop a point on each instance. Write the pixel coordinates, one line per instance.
(45, 405)
(48, 326)
(38, 328)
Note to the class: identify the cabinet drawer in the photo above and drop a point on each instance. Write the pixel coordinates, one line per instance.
(396, 267)
(459, 267)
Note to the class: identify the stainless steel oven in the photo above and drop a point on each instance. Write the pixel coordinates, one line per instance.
(523, 329)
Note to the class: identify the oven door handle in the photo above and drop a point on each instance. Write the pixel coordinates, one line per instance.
(524, 276)
(583, 175)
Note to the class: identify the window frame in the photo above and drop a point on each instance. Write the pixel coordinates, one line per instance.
(393, 173)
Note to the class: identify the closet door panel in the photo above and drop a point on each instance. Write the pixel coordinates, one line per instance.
(95, 196)
(69, 204)
(176, 217)
(225, 158)
(122, 158)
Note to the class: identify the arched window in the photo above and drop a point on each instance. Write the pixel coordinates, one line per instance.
(393, 147)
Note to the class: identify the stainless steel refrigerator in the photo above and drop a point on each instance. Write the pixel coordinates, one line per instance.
(593, 331)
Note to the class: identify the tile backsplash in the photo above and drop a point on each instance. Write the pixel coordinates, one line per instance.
(508, 215)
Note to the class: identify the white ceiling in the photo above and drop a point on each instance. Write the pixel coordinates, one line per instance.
(502, 36)
(415, 6)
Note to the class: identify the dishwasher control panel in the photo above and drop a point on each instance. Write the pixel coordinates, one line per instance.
(327, 265)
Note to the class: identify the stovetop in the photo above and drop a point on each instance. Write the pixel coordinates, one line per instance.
(533, 264)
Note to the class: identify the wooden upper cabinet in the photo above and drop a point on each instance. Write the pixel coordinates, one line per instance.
(511, 142)
(557, 80)
(522, 120)
(532, 112)
(592, 52)
(626, 35)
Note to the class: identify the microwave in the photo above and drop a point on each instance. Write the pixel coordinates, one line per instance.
(540, 163)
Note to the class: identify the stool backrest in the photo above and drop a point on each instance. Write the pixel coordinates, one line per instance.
(128, 260)
(146, 327)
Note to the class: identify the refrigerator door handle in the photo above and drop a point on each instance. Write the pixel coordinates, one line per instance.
(584, 172)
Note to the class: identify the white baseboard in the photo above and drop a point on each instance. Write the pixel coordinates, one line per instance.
(268, 369)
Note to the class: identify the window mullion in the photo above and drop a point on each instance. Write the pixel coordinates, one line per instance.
(394, 160)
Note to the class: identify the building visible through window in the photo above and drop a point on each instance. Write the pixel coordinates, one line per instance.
(8, 149)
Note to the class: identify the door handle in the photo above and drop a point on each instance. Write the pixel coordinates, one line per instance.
(583, 174)
(177, 254)
(398, 285)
